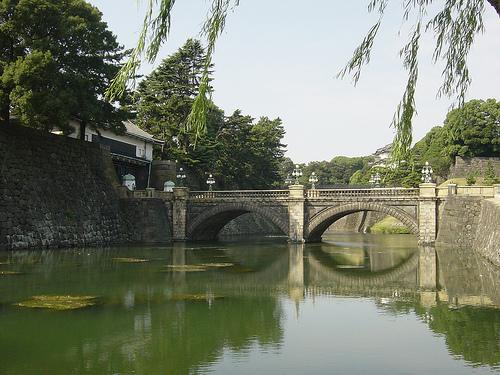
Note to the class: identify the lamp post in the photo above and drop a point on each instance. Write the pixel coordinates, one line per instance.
(375, 180)
(297, 173)
(288, 180)
(210, 181)
(427, 173)
(313, 179)
(181, 176)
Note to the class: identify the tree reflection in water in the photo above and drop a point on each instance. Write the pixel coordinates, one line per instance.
(141, 328)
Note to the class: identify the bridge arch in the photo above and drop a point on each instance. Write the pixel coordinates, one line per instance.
(208, 224)
(324, 218)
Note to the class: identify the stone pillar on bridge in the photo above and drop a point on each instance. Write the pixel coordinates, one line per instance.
(179, 213)
(296, 213)
(427, 213)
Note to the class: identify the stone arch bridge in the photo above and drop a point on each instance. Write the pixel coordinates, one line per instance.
(301, 214)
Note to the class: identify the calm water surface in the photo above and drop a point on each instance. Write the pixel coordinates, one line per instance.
(355, 304)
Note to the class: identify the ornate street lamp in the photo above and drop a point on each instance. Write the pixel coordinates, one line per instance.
(210, 181)
(313, 179)
(375, 180)
(181, 176)
(297, 173)
(427, 173)
(288, 180)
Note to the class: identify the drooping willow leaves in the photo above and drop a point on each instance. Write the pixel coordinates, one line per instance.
(156, 30)
(455, 27)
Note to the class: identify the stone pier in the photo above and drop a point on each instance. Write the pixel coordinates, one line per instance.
(427, 213)
(296, 213)
(179, 213)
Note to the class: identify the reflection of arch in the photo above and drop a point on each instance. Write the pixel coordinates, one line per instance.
(319, 271)
(323, 219)
(208, 224)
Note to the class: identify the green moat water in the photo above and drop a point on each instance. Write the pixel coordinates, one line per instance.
(355, 304)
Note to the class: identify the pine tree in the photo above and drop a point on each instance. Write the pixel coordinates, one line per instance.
(164, 98)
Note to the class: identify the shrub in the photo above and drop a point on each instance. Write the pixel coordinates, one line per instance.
(489, 175)
(471, 178)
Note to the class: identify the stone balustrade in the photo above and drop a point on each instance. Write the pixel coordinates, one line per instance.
(471, 191)
(239, 194)
(362, 193)
(390, 193)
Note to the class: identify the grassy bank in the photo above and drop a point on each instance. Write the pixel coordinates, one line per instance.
(389, 225)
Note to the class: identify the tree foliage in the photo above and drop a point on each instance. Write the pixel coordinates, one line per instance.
(490, 177)
(249, 153)
(474, 129)
(240, 152)
(337, 171)
(56, 60)
(164, 99)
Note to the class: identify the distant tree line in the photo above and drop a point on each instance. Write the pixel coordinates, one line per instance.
(469, 131)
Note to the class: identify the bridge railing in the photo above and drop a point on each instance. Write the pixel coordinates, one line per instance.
(362, 193)
(239, 194)
(472, 191)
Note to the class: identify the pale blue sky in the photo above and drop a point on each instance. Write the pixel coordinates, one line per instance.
(280, 58)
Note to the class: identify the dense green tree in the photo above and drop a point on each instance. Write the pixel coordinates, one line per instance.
(474, 129)
(433, 148)
(249, 155)
(239, 152)
(56, 60)
(337, 171)
(164, 98)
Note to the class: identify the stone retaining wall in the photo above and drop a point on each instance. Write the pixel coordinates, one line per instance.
(471, 223)
(147, 220)
(249, 224)
(56, 192)
(487, 240)
(459, 222)
(477, 165)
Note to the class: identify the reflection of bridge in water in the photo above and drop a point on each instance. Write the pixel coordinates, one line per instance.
(303, 271)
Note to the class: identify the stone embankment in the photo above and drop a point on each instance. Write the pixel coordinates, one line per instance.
(60, 192)
(487, 241)
(471, 223)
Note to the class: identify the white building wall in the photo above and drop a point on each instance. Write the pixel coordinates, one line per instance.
(144, 149)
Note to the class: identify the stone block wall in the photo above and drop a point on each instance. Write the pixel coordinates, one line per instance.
(459, 222)
(249, 224)
(487, 241)
(55, 192)
(477, 165)
(472, 224)
(146, 220)
(354, 222)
